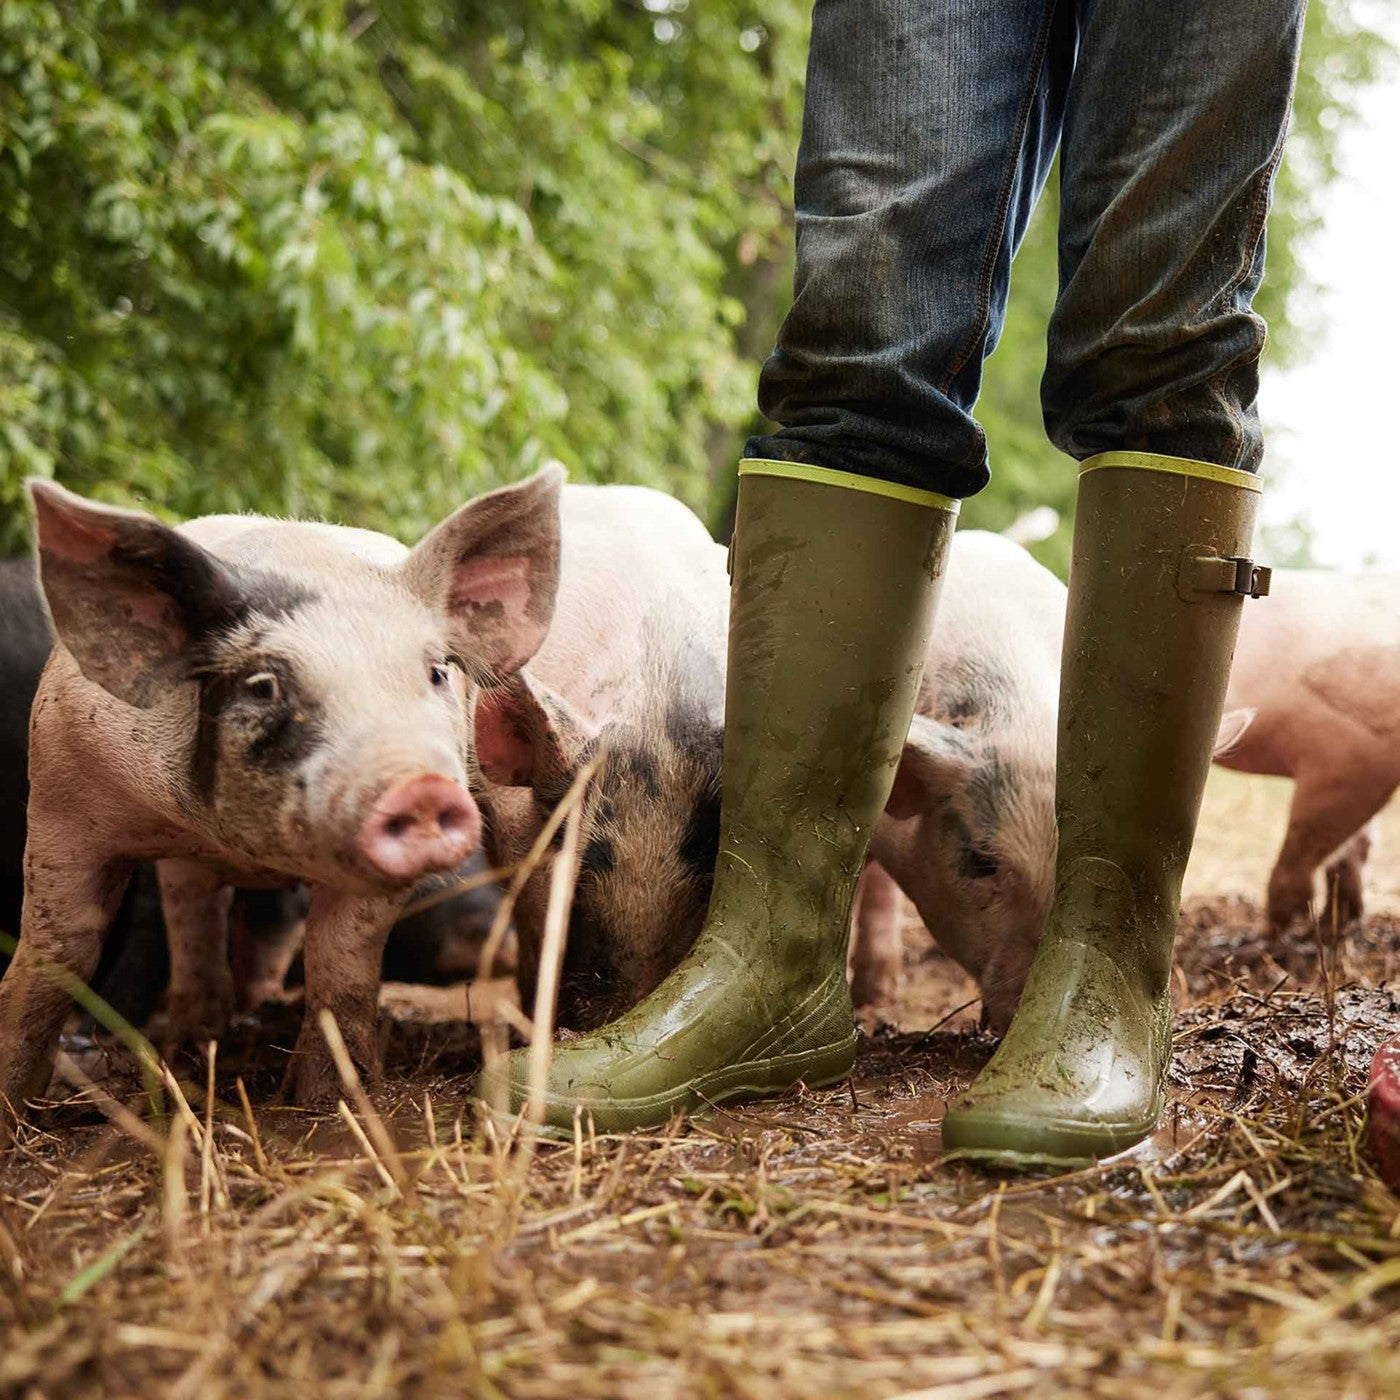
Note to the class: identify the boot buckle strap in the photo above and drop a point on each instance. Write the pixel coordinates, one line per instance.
(1233, 574)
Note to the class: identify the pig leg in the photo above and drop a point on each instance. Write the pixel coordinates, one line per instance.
(265, 935)
(345, 936)
(877, 946)
(1345, 874)
(68, 905)
(195, 902)
(1329, 805)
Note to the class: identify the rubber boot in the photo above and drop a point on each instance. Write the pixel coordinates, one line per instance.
(835, 580)
(1157, 581)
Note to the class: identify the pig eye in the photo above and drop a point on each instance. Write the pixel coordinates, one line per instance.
(262, 685)
(977, 864)
(439, 673)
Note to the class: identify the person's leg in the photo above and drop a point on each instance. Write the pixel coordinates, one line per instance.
(1172, 133)
(1174, 125)
(926, 137)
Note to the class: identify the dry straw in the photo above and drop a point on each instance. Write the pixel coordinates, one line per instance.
(813, 1246)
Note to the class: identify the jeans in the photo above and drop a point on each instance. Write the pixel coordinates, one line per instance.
(929, 130)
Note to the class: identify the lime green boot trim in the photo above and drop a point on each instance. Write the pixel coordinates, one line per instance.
(834, 587)
(1156, 586)
(849, 481)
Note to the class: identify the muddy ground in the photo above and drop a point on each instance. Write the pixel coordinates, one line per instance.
(815, 1245)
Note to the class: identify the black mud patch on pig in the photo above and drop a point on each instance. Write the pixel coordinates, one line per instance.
(974, 861)
(227, 641)
(700, 844)
(634, 767)
(203, 590)
(967, 693)
(695, 734)
(212, 600)
(991, 786)
(591, 983)
(266, 597)
(599, 857)
(699, 740)
(276, 735)
(552, 787)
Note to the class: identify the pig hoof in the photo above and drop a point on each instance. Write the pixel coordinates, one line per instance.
(1344, 903)
(313, 1082)
(197, 1020)
(317, 1093)
(1285, 912)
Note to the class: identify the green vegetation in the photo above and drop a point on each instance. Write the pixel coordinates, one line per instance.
(365, 260)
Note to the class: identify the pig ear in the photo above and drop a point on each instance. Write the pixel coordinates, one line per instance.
(128, 595)
(934, 762)
(493, 566)
(526, 735)
(1232, 729)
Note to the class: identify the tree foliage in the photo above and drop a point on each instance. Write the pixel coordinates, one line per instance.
(363, 261)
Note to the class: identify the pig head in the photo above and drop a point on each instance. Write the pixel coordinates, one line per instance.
(969, 835)
(649, 826)
(969, 830)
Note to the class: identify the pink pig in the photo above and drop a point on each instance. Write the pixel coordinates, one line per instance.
(259, 702)
(1315, 696)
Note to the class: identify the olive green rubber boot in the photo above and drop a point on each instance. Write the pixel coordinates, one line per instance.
(835, 580)
(1157, 582)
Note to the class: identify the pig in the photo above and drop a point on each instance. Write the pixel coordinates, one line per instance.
(633, 669)
(969, 830)
(25, 642)
(259, 702)
(435, 945)
(1315, 696)
(441, 941)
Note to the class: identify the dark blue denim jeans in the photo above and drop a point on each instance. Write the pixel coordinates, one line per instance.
(930, 127)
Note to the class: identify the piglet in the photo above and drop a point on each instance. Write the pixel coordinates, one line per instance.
(969, 830)
(25, 644)
(632, 673)
(1315, 696)
(256, 702)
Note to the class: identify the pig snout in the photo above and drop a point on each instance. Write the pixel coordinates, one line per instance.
(418, 826)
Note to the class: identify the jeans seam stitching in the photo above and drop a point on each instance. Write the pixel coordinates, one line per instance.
(998, 234)
(1259, 221)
